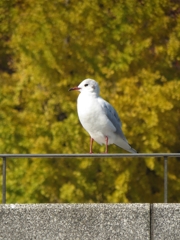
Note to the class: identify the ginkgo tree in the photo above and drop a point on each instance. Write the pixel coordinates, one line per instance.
(132, 49)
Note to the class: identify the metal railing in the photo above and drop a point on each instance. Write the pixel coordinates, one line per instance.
(4, 157)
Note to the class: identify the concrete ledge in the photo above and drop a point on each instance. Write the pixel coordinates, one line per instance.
(166, 221)
(90, 221)
(75, 221)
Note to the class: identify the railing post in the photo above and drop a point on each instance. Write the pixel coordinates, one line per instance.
(165, 179)
(4, 181)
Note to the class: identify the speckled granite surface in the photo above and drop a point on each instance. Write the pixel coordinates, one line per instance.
(75, 221)
(166, 221)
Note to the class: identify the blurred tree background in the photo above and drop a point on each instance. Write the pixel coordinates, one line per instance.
(132, 48)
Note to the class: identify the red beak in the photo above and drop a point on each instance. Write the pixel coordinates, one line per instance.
(74, 88)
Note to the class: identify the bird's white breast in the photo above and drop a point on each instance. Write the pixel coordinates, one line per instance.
(88, 111)
(93, 118)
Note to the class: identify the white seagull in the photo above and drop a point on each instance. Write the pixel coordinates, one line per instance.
(99, 118)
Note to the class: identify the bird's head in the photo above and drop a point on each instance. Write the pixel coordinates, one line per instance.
(87, 86)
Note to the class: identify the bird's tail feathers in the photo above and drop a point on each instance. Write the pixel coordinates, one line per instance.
(125, 145)
(132, 150)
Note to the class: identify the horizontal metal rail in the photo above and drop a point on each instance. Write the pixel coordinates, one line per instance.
(114, 155)
(88, 155)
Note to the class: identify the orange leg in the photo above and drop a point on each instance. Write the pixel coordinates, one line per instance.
(91, 144)
(106, 145)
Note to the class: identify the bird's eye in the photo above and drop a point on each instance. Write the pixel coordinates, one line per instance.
(86, 85)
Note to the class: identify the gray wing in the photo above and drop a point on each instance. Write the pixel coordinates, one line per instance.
(112, 116)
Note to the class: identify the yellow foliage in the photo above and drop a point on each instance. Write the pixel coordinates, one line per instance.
(132, 49)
